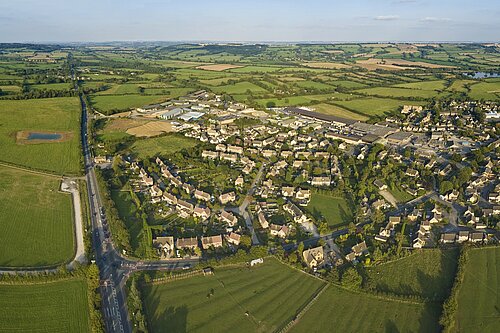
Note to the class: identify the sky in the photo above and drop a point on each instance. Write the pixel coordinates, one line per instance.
(251, 21)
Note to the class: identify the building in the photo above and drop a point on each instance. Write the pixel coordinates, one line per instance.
(233, 238)
(200, 195)
(227, 197)
(315, 257)
(229, 218)
(187, 243)
(165, 245)
(211, 241)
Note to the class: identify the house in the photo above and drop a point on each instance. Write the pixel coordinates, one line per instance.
(227, 197)
(447, 238)
(435, 218)
(297, 214)
(211, 241)
(359, 248)
(476, 237)
(262, 220)
(426, 225)
(314, 257)
(185, 206)
(239, 181)
(419, 242)
(463, 236)
(233, 238)
(235, 149)
(411, 173)
(381, 238)
(200, 195)
(257, 261)
(279, 230)
(155, 191)
(321, 181)
(169, 198)
(164, 245)
(381, 186)
(494, 197)
(229, 218)
(187, 243)
(202, 213)
(302, 194)
(210, 154)
(288, 191)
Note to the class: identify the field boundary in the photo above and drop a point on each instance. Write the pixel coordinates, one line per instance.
(302, 311)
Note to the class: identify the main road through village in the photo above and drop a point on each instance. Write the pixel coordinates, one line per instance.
(114, 268)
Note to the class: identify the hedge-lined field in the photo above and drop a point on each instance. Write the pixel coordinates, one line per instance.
(52, 115)
(36, 220)
(257, 299)
(55, 307)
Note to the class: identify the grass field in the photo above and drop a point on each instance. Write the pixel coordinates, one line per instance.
(336, 211)
(52, 114)
(478, 297)
(107, 104)
(238, 88)
(487, 90)
(428, 273)
(374, 106)
(56, 307)
(163, 145)
(339, 310)
(398, 92)
(271, 294)
(36, 223)
(337, 111)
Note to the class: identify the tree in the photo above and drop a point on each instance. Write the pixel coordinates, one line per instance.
(351, 278)
(270, 104)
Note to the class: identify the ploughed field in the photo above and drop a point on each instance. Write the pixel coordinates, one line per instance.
(36, 220)
(55, 307)
(256, 299)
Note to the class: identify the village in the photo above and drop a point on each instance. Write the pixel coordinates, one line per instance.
(261, 169)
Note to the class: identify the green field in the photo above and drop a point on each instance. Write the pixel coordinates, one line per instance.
(427, 273)
(52, 114)
(55, 307)
(271, 293)
(478, 299)
(36, 223)
(375, 106)
(163, 145)
(335, 110)
(487, 90)
(398, 92)
(335, 210)
(238, 88)
(108, 104)
(339, 310)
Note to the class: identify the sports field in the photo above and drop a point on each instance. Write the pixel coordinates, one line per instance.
(478, 297)
(55, 307)
(36, 222)
(427, 273)
(257, 299)
(339, 310)
(335, 210)
(44, 115)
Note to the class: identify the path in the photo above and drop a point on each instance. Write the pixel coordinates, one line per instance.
(70, 185)
(242, 209)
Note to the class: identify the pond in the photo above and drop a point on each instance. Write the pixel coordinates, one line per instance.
(482, 75)
(44, 136)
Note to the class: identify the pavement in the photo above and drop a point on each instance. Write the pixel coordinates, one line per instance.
(69, 185)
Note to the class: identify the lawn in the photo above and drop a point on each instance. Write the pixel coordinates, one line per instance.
(339, 310)
(487, 90)
(478, 299)
(59, 306)
(335, 210)
(427, 273)
(270, 293)
(424, 85)
(398, 92)
(36, 223)
(52, 114)
(375, 106)
(163, 145)
(400, 194)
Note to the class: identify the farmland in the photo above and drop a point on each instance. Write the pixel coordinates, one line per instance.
(270, 293)
(54, 114)
(478, 294)
(335, 211)
(36, 223)
(426, 273)
(59, 306)
(340, 310)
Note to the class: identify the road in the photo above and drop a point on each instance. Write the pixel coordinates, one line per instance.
(242, 209)
(314, 240)
(114, 268)
(69, 185)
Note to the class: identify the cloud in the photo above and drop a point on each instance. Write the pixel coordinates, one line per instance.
(386, 18)
(404, 1)
(431, 19)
